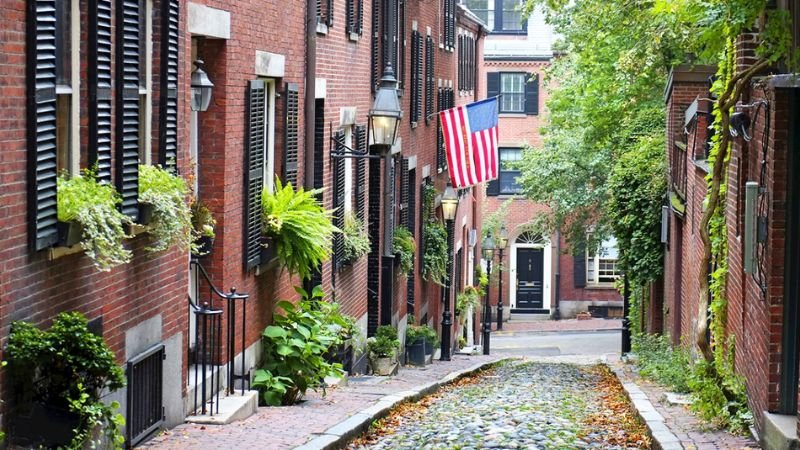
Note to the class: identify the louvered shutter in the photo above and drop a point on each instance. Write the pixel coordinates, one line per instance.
(579, 267)
(531, 94)
(375, 56)
(404, 191)
(329, 12)
(292, 144)
(361, 171)
(254, 151)
(492, 84)
(338, 200)
(168, 120)
(41, 111)
(127, 115)
(430, 80)
(440, 156)
(355, 16)
(360, 17)
(350, 16)
(99, 77)
(461, 84)
(416, 77)
(411, 225)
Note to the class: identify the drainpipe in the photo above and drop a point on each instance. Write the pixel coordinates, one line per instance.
(557, 313)
(310, 98)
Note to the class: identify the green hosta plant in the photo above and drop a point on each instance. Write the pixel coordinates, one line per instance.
(295, 346)
(300, 225)
(82, 199)
(354, 238)
(404, 247)
(434, 266)
(384, 344)
(172, 218)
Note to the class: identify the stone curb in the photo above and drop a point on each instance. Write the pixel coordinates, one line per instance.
(340, 434)
(663, 438)
(529, 332)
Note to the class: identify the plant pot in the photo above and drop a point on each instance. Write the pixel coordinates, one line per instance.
(383, 366)
(44, 426)
(268, 252)
(428, 348)
(204, 246)
(69, 233)
(415, 353)
(145, 213)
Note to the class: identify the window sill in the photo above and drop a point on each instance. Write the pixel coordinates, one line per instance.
(514, 115)
(322, 29)
(354, 37)
(57, 252)
(600, 287)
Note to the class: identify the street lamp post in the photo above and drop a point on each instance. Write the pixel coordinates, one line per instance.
(502, 241)
(449, 207)
(488, 254)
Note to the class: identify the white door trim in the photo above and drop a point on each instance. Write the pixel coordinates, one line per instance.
(546, 267)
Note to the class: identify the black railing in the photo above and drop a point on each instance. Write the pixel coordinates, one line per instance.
(207, 350)
(145, 374)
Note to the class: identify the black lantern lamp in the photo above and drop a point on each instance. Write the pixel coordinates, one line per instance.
(488, 248)
(449, 207)
(201, 87)
(386, 112)
(502, 242)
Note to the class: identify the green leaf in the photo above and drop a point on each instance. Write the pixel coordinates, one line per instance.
(284, 350)
(274, 332)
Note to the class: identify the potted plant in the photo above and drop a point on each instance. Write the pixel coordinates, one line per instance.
(404, 248)
(432, 341)
(203, 225)
(355, 240)
(415, 345)
(58, 376)
(88, 214)
(300, 226)
(382, 349)
(435, 257)
(469, 298)
(171, 221)
(348, 333)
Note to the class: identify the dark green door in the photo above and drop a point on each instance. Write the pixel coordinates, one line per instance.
(530, 278)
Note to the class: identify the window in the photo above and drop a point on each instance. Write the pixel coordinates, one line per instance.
(416, 77)
(601, 266)
(509, 170)
(145, 80)
(67, 60)
(512, 91)
(466, 62)
(500, 16)
(348, 171)
(449, 26)
(269, 134)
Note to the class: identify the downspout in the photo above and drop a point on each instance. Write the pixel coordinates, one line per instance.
(557, 313)
(310, 92)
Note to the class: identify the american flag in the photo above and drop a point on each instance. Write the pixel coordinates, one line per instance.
(470, 138)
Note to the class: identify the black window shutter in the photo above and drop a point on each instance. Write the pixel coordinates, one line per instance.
(292, 145)
(531, 94)
(350, 16)
(404, 192)
(338, 201)
(41, 112)
(360, 17)
(329, 13)
(416, 76)
(99, 77)
(579, 267)
(375, 49)
(254, 151)
(430, 79)
(492, 84)
(439, 137)
(127, 117)
(361, 172)
(168, 129)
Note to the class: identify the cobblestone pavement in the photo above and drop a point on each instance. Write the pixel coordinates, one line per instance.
(512, 326)
(520, 405)
(288, 427)
(692, 432)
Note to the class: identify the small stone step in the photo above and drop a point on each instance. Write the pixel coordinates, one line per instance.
(673, 398)
(231, 408)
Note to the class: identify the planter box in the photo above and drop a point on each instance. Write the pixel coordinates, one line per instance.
(416, 353)
(383, 366)
(145, 213)
(44, 426)
(69, 233)
(268, 252)
(204, 246)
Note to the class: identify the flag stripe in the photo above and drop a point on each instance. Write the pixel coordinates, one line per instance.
(471, 154)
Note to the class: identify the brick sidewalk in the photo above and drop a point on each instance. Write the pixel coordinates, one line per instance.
(691, 431)
(290, 426)
(517, 326)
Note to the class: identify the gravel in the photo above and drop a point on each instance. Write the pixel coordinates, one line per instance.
(521, 405)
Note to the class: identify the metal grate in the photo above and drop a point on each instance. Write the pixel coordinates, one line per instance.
(145, 400)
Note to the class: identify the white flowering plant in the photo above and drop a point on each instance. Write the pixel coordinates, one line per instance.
(93, 205)
(172, 218)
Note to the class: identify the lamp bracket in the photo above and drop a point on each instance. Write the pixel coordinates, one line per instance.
(346, 152)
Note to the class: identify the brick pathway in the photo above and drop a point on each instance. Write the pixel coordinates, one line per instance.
(516, 326)
(291, 426)
(692, 432)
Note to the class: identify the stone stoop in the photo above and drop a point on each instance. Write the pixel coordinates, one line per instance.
(231, 408)
(780, 432)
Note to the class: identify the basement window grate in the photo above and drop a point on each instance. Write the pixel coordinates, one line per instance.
(145, 388)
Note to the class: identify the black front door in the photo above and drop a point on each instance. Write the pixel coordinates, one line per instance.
(530, 278)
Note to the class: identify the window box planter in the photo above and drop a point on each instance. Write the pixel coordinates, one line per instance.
(384, 366)
(145, 213)
(69, 233)
(416, 353)
(268, 252)
(204, 246)
(44, 426)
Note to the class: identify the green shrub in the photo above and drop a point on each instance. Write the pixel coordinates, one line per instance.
(93, 205)
(172, 217)
(711, 403)
(203, 222)
(404, 247)
(295, 346)
(384, 344)
(434, 267)
(67, 366)
(659, 361)
(418, 333)
(300, 225)
(355, 239)
(470, 297)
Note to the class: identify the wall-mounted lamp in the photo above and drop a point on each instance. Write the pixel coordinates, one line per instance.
(201, 87)
(740, 126)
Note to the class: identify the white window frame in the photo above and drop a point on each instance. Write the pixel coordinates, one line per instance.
(348, 171)
(146, 89)
(507, 97)
(602, 256)
(269, 136)
(68, 93)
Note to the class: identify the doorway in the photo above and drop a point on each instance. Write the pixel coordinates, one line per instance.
(530, 278)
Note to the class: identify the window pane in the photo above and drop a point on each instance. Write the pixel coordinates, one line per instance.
(144, 39)
(483, 9)
(64, 42)
(63, 127)
(512, 15)
(590, 277)
(512, 88)
(508, 182)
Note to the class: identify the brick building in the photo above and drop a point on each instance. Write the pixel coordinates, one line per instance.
(761, 286)
(261, 124)
(541, 275)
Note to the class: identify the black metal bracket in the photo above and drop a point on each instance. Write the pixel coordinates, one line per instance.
(348, 152)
